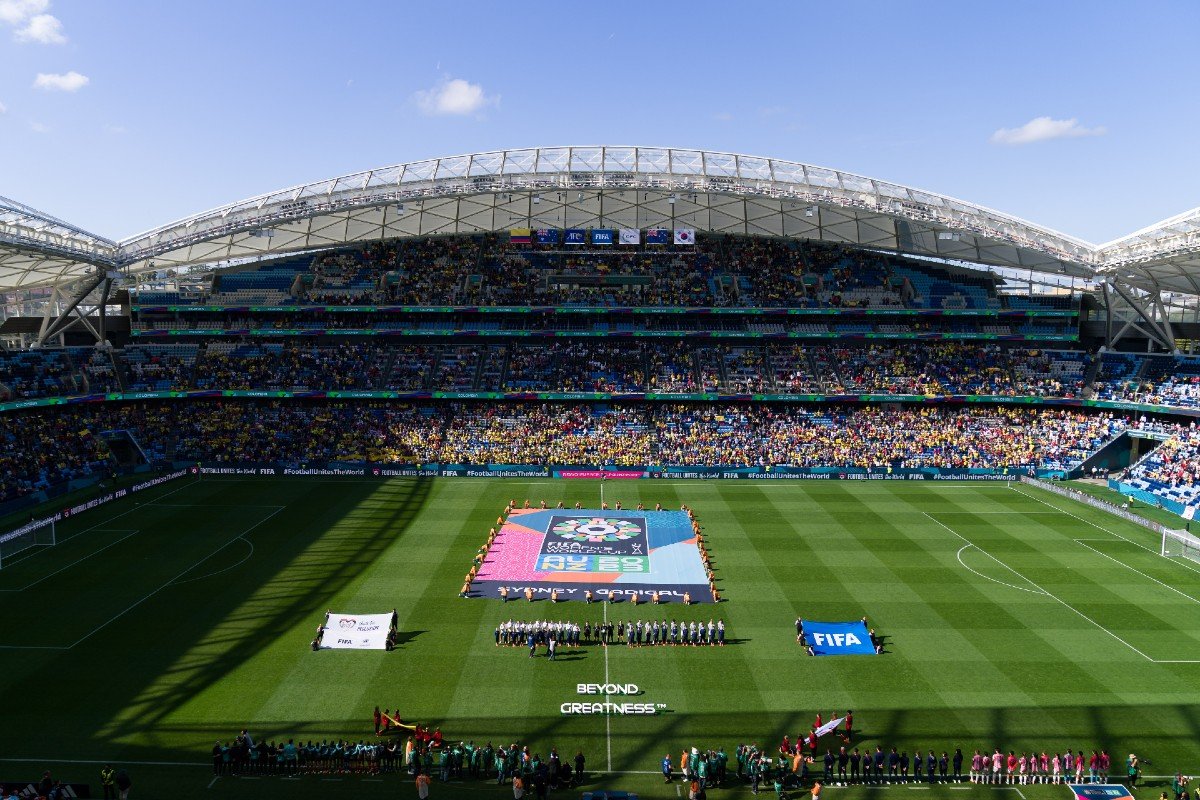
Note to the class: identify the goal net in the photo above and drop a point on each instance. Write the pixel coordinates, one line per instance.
(39, 533)
(1180, 544)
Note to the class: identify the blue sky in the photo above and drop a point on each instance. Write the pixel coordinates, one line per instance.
(1082, 116)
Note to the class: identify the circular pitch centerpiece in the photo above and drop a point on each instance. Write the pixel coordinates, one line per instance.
(597, 529)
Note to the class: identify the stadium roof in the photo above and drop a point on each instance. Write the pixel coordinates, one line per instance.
(598, 186)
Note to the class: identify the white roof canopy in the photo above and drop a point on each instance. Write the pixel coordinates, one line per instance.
(597, 186)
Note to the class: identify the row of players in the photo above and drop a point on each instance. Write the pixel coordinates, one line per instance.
(516, 633)
(791, 768)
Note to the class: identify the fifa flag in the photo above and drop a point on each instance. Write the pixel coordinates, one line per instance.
(685, 236)
(356, 631)
(631, 236)
(602, 236)
(576, 236)
(520, 236)
(838, 638)
(546, 235)
(657, 236)
(1100, 791)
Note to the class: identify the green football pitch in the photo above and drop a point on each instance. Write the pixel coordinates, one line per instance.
(1012, 619)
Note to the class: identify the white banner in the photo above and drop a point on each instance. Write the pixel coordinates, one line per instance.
(631, 236)
(685, 236)
(356, 631)
(829, 726)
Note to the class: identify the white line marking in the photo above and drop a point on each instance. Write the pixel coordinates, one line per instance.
(677, 792)
(607, 718)
(110, 519)
(1018, 791)
(177, 577)
(226, 569)
(214, 780)
(32, 647)
(1132, 569)
(73, 563)
(217, 505)
(1097, 526)
(1051, 596)
(986, 553)
(989, 578)
(977, 513)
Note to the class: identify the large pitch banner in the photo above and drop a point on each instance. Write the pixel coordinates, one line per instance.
(356, 631)
(613, 554)
(838, 638)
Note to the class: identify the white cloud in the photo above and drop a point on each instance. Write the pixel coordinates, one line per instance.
(723, 116)
(3, 108)
(43, 29)
(38, 127)
(454, 97)
(115, 130)
(1042, 129)
(14, 12)
(68, 82)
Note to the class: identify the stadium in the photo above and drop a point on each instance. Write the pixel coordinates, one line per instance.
(661, 407)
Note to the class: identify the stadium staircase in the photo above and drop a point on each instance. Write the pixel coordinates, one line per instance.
(121, 370)
(769, 370)
(477, 373)
(493, 368)
(1089, 377)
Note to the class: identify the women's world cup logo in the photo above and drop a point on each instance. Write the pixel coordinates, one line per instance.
(596, 529)
(595, 544)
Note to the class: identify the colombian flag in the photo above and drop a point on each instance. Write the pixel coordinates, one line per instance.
(520, 236)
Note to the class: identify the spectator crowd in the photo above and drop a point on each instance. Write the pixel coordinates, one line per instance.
(43, 447)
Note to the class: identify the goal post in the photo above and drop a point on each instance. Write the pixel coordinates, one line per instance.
(39, 533)
(1180, 544)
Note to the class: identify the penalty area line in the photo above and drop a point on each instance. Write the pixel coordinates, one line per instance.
(77, 561)
(958, 555)
(235, 565)
(1051, 595)
(100, 525)
(968, 543)
(1097, 526)
(1083, 543)
(171, 582)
